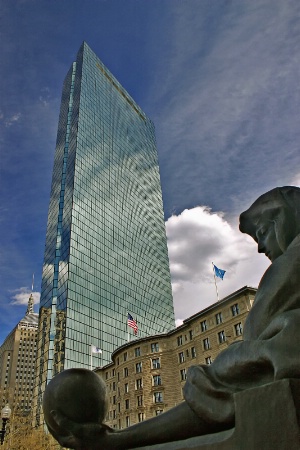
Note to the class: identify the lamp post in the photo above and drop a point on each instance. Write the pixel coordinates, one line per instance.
(5, 415)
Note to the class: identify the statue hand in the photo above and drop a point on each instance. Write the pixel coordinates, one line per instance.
(81, 436)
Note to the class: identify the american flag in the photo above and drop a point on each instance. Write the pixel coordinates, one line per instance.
(132, 323)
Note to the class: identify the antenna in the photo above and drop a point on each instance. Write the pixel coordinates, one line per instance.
(32, 282)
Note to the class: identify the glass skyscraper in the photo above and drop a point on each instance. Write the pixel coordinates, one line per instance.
(106, 250)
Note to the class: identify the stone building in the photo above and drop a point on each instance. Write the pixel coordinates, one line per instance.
(147, 375)
(17, 361)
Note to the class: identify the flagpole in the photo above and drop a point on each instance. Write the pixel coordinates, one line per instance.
(215, 282)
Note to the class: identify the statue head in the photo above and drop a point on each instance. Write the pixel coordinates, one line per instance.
(273, 220)
(79, 394)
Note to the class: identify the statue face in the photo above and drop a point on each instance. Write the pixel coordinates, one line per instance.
(267, 240)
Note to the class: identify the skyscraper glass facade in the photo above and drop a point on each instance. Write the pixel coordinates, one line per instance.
(106, 251)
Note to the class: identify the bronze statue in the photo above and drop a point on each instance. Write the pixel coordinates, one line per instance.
(269, 350)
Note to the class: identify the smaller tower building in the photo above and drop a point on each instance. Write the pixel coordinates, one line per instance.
(17, 361)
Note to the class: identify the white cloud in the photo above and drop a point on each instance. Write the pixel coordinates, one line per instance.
(22, 294)
(198, 237)
(11, 120)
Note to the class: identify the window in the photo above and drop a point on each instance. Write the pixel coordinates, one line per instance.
(114, 386)
(137, 351)
(138, 367)
(235, 309)
(127, 403)
(125, 356)
(181, 357)
(187, 352)
(119, 407)
(206, 344)
(221, 336)
(114, 372)
(158, 397)
(139, 383)
(156, 380)
(126, 372)
(193, 352)
(179, 340)
(127, 420)
(208, 360)
(183, 374)
(238, 329)
(140, 400)
(219, 318)
(158, 412)
(126, 388)
(203, 325)
(191, 334)
(155, 363)
(141, 416)
(114, 414)
(154, 347)
(114, 400)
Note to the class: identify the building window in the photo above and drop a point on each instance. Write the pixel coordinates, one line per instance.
(119, 407)
(183, 374)
(187, 352)
(158, 397)
(155, 363)
(114, 414)
(156, 380)
(154, 347)
(138, 367)
(139, 383)
(219, 318)
(221, 336)
(137, 351)
(235, 309)
(127, 403)
(126, 388)
(193, 352)
(140, 400)
(114, 386)
(208, 360)
(141, 416)
(125, 356)
(179, 340)
(126, 372)
(238, 329)
(127, 420)
(206, 344)
(181, 357)
(114, 400)
(114, 372)
(191, 334)
(203, 325)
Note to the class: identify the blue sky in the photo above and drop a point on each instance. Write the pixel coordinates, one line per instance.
(220, 80)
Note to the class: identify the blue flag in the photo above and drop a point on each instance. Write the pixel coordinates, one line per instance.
(219, 272)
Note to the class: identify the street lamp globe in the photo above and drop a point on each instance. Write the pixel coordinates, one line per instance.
(5, 412)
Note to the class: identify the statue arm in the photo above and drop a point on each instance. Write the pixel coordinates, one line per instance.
(176, 424)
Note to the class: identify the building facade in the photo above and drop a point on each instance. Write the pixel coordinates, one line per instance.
(106, 251)
(17, 362)
(147, 376)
